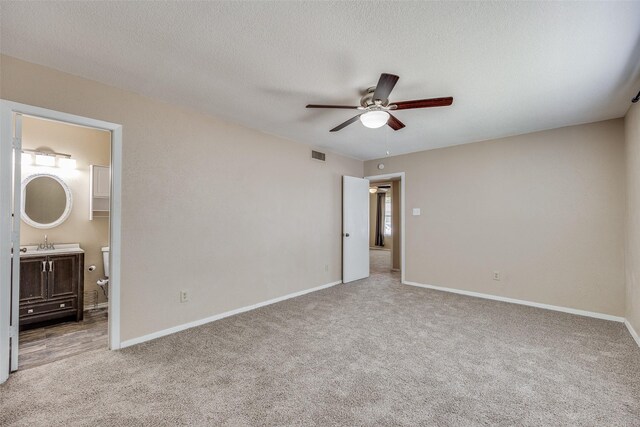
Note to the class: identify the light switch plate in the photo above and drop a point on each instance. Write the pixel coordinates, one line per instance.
(416, 211)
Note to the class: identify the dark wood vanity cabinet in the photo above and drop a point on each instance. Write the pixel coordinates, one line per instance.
(51, 287)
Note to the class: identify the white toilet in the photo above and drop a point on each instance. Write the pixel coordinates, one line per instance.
(104, 283)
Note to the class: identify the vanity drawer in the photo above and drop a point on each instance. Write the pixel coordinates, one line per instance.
(48, 307)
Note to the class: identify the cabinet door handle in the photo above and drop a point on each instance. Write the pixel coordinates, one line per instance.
(50, 265)
(44, 266)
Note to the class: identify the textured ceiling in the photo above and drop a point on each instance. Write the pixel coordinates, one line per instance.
(512, 67)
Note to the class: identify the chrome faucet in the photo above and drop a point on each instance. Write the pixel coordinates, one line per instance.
(46, 245)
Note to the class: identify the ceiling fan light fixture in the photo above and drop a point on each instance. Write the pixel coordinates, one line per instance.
(374, 119)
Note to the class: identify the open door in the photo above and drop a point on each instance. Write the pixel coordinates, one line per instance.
(355, 229)
(15, 241)
(10, 154)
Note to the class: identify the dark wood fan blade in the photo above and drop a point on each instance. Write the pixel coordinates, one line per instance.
(394, 123)
(332, 106)
(423, 103)
(385, 86)
(345, 124)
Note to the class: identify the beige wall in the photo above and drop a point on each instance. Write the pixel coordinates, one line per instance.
(372, 219)
(395, 226)
(191, 181)
(545, 209)
(87, 146)
(632, 136)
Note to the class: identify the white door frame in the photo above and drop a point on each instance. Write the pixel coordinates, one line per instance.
(7, 111)
(386, 177)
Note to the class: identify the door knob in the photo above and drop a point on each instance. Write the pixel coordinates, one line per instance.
(346, 234)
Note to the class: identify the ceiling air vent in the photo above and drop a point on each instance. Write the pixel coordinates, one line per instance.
(317, 155)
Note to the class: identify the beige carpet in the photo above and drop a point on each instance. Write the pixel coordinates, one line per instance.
(369, 353)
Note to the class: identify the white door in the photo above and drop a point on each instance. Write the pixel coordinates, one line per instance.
(355, 228)
(15, 240)
(10, 147)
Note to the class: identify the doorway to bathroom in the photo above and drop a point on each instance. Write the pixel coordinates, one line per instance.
(62, 190)
(64, 240)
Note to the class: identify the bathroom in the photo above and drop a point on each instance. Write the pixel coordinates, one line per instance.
(64, 240)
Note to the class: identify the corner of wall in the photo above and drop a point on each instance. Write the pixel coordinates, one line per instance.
(632, 219)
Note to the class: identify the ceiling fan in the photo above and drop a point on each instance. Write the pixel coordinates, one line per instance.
(379, 189)
(376, 107)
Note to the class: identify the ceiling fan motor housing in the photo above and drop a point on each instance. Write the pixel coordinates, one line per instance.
(367, 99)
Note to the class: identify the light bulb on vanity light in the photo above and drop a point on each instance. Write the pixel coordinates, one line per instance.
(374, 119)
(44, 160)
(27, 159)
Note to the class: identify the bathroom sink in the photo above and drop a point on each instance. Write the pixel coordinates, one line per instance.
(60, 248)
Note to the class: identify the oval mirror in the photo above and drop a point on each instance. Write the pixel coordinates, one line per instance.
(46, 201)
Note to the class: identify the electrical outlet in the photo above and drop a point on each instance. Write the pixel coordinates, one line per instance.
(496, 275)
(184, 296)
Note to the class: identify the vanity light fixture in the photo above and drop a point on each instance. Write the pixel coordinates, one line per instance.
(43, 158)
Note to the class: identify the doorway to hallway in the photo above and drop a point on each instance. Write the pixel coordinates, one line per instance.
(358, 195)
(385, 229)
(379, 261)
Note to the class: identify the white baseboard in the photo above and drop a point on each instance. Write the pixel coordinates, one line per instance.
(521, 302)
(210, 319)
(100, 305)
(633, 332)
